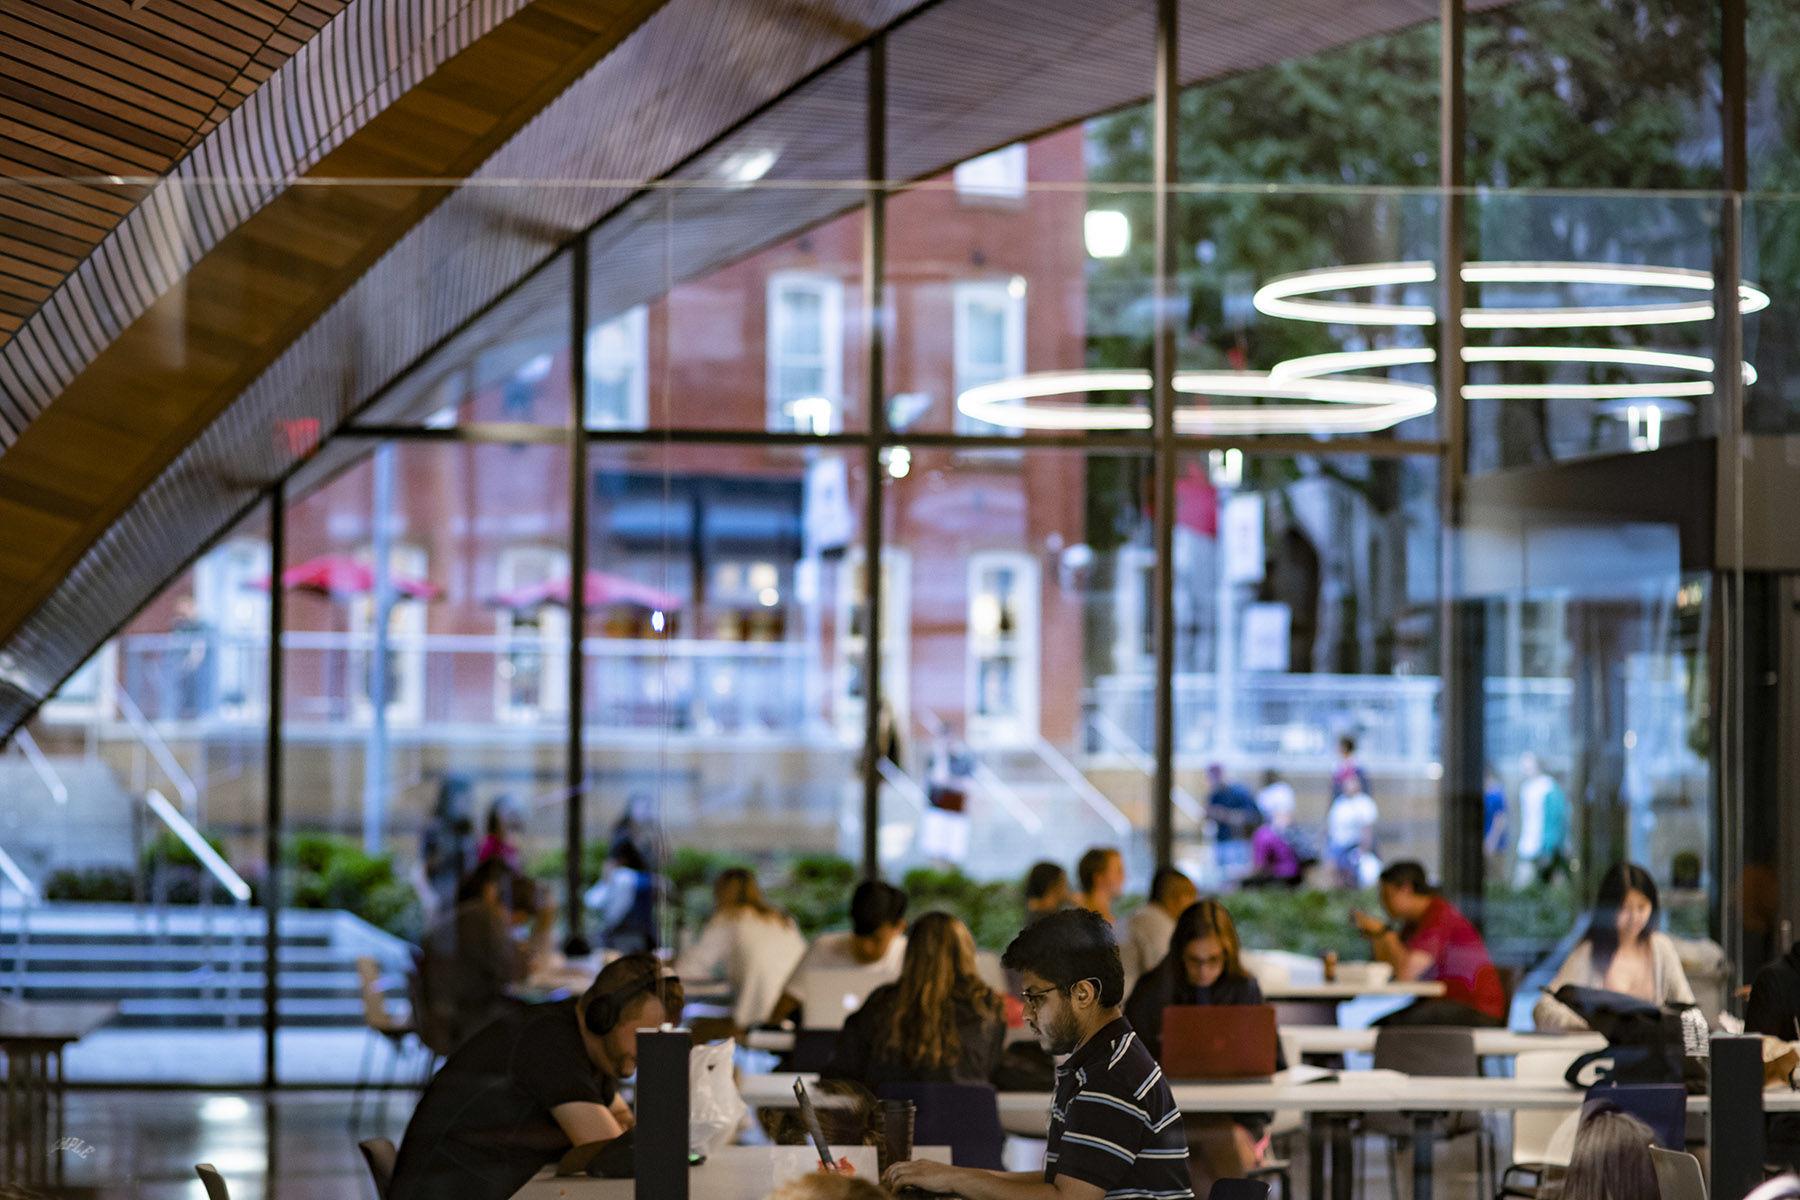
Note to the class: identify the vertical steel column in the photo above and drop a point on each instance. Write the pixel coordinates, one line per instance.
(1730, 790)
(875, 337)
(1165, 166)
(1459, 671)
(575, 762)
(272, 769)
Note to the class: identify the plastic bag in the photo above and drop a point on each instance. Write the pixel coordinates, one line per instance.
(715, 1109)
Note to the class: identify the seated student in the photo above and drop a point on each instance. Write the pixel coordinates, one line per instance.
(1203, 965)
(1147, 931)
(470, 958)
(1612, 1159)
(939, 1023)
(1774, 1011)
(1102, 874)
(1433, 942)
(1622, 951)
(875, 942)
(1046, 891)
(748, 942)
(526, 1088)
(1113, 1121)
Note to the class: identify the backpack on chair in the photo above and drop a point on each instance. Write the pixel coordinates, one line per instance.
(1644, 1043)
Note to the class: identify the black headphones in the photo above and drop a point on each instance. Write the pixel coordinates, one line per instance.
(606, 1010)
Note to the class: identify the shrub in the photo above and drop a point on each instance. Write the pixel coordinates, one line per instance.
(93, 885)
(325, 871)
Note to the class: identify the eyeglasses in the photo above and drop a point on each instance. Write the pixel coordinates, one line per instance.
(1034, 999)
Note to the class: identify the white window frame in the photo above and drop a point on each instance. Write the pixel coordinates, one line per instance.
(1132, 604)
(830, 293)
(1009, 296)
(634, 323)
(520, 566)
(896, 633)
(1023, 645)
(406, 640)
(997, 176)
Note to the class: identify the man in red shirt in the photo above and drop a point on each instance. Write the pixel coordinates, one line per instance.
(1433, 942)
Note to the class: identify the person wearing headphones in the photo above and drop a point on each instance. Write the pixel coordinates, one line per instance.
(526, 1088)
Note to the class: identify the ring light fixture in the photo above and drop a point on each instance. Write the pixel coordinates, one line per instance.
(1319, 405)
(1315, 366)
(1296, 296)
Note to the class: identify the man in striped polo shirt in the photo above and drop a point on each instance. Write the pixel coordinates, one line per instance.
(1115, 1132)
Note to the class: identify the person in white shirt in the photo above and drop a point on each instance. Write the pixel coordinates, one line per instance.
(875, 943)
(1350, 831)
(1622, 951)
(749, 943)
(1276, 797)
(1148, 930)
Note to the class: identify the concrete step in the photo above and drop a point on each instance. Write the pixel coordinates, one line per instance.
(143, 983)
(67, 956)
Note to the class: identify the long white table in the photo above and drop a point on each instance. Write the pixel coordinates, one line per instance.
(1489, 1043)
(734, 1173)
(1427, 989)
(1328, 1103)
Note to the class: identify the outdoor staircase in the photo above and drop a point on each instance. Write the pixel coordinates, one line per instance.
(182, 967)
(88, 827)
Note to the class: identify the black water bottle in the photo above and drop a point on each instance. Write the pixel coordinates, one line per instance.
(662, 1113)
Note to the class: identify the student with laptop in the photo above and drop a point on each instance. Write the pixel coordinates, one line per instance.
(1202, 1015)
(938, 1024)
(863, 959)
(1114, 1127)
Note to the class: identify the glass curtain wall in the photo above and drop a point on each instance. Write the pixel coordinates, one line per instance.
(797, 393)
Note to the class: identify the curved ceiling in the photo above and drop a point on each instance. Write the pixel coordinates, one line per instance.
(158, 397)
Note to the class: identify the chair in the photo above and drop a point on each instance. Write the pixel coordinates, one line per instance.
(1239, 1189)
(212, 1181)
(963, 1116)
(1678, 1175)
(813, 1049)
(383, 1023)
(380, 1154)
(1438, 1051)
(1661, 1106)
(1534, 1130)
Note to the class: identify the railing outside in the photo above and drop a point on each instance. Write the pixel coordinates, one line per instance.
(220, 872)
(14, 880)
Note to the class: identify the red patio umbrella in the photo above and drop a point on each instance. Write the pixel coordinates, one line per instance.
(341, 575)
(601, 591)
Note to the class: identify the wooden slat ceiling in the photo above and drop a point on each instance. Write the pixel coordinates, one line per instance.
(98, 88)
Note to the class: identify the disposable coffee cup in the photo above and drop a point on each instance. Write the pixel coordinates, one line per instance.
(897, 1118)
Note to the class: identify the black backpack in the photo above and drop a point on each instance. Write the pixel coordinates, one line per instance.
(1644, 1043)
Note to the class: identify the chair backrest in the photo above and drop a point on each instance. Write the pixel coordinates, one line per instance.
(1238, 1189)
(1426, 1050)
(962, 1116)
(380, 1154)
(1534, 1130)
(812, 1050)
(1678, 1175)
(212, 1181)
(1661, 1106)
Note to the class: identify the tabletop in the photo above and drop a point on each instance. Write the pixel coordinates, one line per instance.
(1400, 989)
(52, 1021)
(1489, 1043)
(734, 1173)
(1343, 1092)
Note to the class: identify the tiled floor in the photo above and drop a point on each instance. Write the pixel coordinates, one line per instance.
(286, 1145)
(297, 1145)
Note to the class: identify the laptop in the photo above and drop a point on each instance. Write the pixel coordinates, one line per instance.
(829, 995)
(1219, 1042)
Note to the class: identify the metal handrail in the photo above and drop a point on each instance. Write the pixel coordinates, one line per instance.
(1092, 796)
(1002, 791)
(29, 898)
(904, 784)
(198, 846)
(162, 755)
(39, 763)
(21, 883)
(230, 880)
(1121, 743)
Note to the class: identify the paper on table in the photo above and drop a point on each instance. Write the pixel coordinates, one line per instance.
(1305, 1073)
